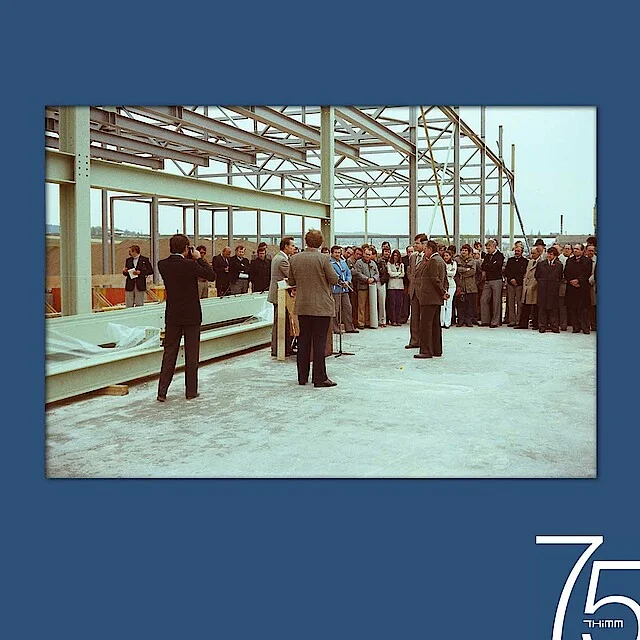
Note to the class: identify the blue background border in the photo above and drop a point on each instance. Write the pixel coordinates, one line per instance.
(302, 559)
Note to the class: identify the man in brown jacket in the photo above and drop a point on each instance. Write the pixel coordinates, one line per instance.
(432, 285)
(312, 275)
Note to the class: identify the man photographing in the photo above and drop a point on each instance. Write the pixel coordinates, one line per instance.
(183, 314)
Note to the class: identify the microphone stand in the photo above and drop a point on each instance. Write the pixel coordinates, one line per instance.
(340, 351)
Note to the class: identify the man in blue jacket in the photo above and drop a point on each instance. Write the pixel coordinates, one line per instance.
(341, 292)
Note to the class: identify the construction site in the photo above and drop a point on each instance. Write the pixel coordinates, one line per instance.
(296, 168)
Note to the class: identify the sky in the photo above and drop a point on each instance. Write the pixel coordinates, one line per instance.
(555, 160)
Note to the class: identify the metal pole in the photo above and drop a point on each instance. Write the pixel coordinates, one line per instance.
(283, 220)
(413, 173)
(499, 238)
(105, 231)
(513, 189)
(483, 186)
(456, 182)
(229, 209)
(196, 224)
(213, 233)
(327, 177)
(112, 229)
(184, 221)
(366, 219)
(258, 216)
(155, 239)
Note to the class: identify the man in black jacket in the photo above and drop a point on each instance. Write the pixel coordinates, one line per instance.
(491, 302)
(577, 271)
(221, 266)
(136, 268)
(514, 275)
(239, 272)
(183, 314)
(260, 271)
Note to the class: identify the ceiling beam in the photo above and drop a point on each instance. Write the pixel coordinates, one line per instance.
(368, 124)
(51, 124)
(112, 119)
(110, 154)
(286, 124)
(194, 119)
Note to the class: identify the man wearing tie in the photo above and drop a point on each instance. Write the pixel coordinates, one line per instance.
(414, 317)
(220, 265)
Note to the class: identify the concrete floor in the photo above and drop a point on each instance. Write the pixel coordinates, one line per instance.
(499, 404)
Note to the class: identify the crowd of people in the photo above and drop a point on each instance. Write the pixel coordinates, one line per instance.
(348, 289)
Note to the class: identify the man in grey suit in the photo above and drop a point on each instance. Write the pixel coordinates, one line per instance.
(432, 285)
(280, 271)
(415, 259)
(312, 275)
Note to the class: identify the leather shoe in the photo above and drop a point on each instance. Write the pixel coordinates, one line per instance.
(161, 398)
(354, 331)
(302, 382)
(192, 397)
(555, 330)
(325, 383)
(421, 356)
(411, 346)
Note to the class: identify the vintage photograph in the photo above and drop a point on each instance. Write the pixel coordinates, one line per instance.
(320, 291)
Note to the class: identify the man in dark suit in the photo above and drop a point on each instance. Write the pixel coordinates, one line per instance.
(260, 271)
(432, 290)
(136, 268)
(549, 274)
(404, 313)
(577, 271)
(415, 260)
(183, 314)
(239, 272)
(220, 265)
(312, 275)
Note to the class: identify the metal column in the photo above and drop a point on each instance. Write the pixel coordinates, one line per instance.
(196, 224)
(230, 210)
(213, 233)
(456, 182)
(283, 220)
(258, 216)
(499, 238)
(413, 174)
(483, 186)
(184, 221)
(327, 158)
(112, 230)
(75, 215)
(512, 198)
(155, 239)
(105, 231)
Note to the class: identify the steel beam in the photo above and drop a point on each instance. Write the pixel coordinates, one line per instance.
(327, 155)
(110, 154)
(115, 177)
(183, 115)
(368, 124)
(111, 119)
(287, 124)
(75, 213)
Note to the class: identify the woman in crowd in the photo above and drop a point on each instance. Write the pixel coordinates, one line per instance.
(452, 269)
(381, 287)
(395, 288)
(467, 288)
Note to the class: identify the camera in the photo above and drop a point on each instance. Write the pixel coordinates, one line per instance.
(190, 251)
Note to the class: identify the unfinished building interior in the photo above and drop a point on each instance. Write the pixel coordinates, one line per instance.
(306, 165)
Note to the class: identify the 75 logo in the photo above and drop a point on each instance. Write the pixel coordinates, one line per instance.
(591, 604)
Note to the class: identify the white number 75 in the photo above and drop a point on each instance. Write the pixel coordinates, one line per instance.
(591, 605)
